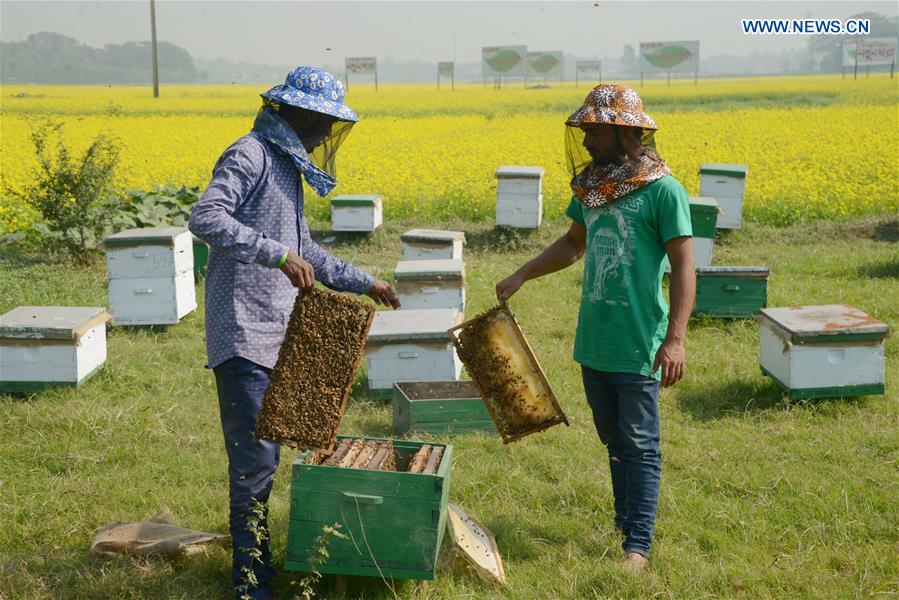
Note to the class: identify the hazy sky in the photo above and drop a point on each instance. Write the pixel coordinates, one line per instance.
(325, 32)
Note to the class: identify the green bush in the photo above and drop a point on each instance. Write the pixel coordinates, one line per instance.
(73, 194)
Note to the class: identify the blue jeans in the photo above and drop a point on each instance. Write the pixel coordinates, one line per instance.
(626, 414)
(252, 464)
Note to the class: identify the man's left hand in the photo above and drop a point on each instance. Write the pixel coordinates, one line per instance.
(671, 358)
(383, 294)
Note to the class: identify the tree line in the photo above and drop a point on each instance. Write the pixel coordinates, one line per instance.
(54, 58)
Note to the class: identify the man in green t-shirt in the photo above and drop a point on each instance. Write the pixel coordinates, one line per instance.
(628, 213)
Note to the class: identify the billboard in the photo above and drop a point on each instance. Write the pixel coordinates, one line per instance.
(445, 69)
(545, 64)
(364, 65)
(669, 57)
(501, 61)
(588, 66)
(871, 51)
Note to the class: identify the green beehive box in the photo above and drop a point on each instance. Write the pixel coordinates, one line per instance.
(731, 292)
(704, 216)
(439, 407)
(394, 521)
(201, 257)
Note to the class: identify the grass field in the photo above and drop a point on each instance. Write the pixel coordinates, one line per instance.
(761, 498)
(817, 146)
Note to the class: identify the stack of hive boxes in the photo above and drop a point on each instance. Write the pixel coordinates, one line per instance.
(704, 217)
(726, 183)
(519, 197)
(412, 344)
(151, 275)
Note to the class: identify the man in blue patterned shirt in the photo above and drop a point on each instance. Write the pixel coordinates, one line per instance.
(251, 215)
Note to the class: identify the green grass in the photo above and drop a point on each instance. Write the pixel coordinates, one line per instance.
(761, 498)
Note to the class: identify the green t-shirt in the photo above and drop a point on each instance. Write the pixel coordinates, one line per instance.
(624, 316)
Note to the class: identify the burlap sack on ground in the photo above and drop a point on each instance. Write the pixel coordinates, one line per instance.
(158, 536)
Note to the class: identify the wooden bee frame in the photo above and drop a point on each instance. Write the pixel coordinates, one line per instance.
(305, 400)
(529, 378)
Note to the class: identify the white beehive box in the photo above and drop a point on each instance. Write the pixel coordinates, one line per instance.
(431, 284)
(828, 351)
(49, 346)
(411, 345)
(519, 197)
(356, 212)
(704, 213)
(151, 280)
(432, 244)
(727, 183)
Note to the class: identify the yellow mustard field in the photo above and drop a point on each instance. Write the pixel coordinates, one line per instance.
(819, 147)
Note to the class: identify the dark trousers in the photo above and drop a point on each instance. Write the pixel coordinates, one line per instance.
(251, 467)
(626, 414)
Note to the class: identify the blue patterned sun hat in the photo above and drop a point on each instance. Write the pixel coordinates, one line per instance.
(313, 89)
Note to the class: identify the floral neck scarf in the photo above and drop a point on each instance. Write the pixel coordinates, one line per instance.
(275, 129)
(597, 185)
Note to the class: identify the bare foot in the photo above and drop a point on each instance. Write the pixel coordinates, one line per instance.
(635, 560)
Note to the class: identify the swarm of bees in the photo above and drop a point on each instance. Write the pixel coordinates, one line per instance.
(491, 347)
(316, 368)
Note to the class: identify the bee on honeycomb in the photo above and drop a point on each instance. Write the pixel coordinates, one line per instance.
(315, 371)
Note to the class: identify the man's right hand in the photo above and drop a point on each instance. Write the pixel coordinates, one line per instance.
(508, 286)
(300, 272)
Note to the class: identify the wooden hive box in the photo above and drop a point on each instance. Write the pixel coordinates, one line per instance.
(431, 284)
(519, 196)
(357, 212)
(730, 292)
(50, 346)
(151, 279)
(395, 521)
(703, 216)
(726, 183)
(438, 407)
(704, 213)
(429, 244)
(829, 351)
(411, 345)
(201, 258)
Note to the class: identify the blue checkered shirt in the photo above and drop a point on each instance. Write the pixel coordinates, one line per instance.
(250, 215)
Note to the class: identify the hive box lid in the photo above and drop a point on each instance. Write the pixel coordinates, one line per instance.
(432, 235)
(515, 171)
(441, 268)
(155, 236)
(422, 324)
(51, 322)
(355, 200)
(729, 170)
(703, 203)
(825, 323)
(748, 272)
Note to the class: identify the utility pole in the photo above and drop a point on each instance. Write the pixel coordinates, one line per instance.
(153, 48)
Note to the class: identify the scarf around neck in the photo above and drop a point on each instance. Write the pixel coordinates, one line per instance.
(275, 129)
(598, 185)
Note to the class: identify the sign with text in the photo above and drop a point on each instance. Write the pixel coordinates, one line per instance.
(669, 57)
(500, 61)
(588, 66)
(546, 64)
(363, 65)
(445, 69)
(871, 52)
